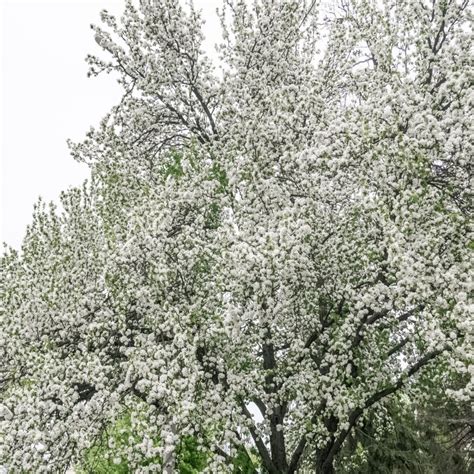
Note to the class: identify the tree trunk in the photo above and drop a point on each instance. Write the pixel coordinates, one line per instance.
(169, 459)
(323, 467)
(322, 464)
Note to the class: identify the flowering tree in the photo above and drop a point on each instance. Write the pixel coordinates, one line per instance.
(270, 246)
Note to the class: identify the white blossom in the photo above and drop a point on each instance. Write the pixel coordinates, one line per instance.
(287, 229)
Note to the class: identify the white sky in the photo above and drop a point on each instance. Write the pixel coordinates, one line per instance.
(47, 98)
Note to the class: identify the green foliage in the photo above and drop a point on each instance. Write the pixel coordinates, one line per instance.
(212, 216)
(245, 462)
(409, 440)
(191, 459)
(174, 166)
(103, 457)
(221, 176)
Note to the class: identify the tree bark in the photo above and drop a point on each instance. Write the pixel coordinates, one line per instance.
(324, 465)
(169, 460)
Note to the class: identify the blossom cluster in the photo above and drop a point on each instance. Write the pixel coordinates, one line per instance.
(286, 228)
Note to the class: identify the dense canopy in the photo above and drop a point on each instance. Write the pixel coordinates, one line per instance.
(274, 241)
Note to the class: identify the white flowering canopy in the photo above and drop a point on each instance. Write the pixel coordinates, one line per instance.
(286, 228)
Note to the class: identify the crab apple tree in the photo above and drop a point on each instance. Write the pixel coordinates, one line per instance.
(274, 240)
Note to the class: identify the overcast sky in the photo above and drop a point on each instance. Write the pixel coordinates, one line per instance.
(47, 98)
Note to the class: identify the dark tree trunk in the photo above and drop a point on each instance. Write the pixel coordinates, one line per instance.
(325, 455)
(322, 464)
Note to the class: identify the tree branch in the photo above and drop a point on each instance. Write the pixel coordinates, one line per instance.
(355, 415)
(262, 449)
